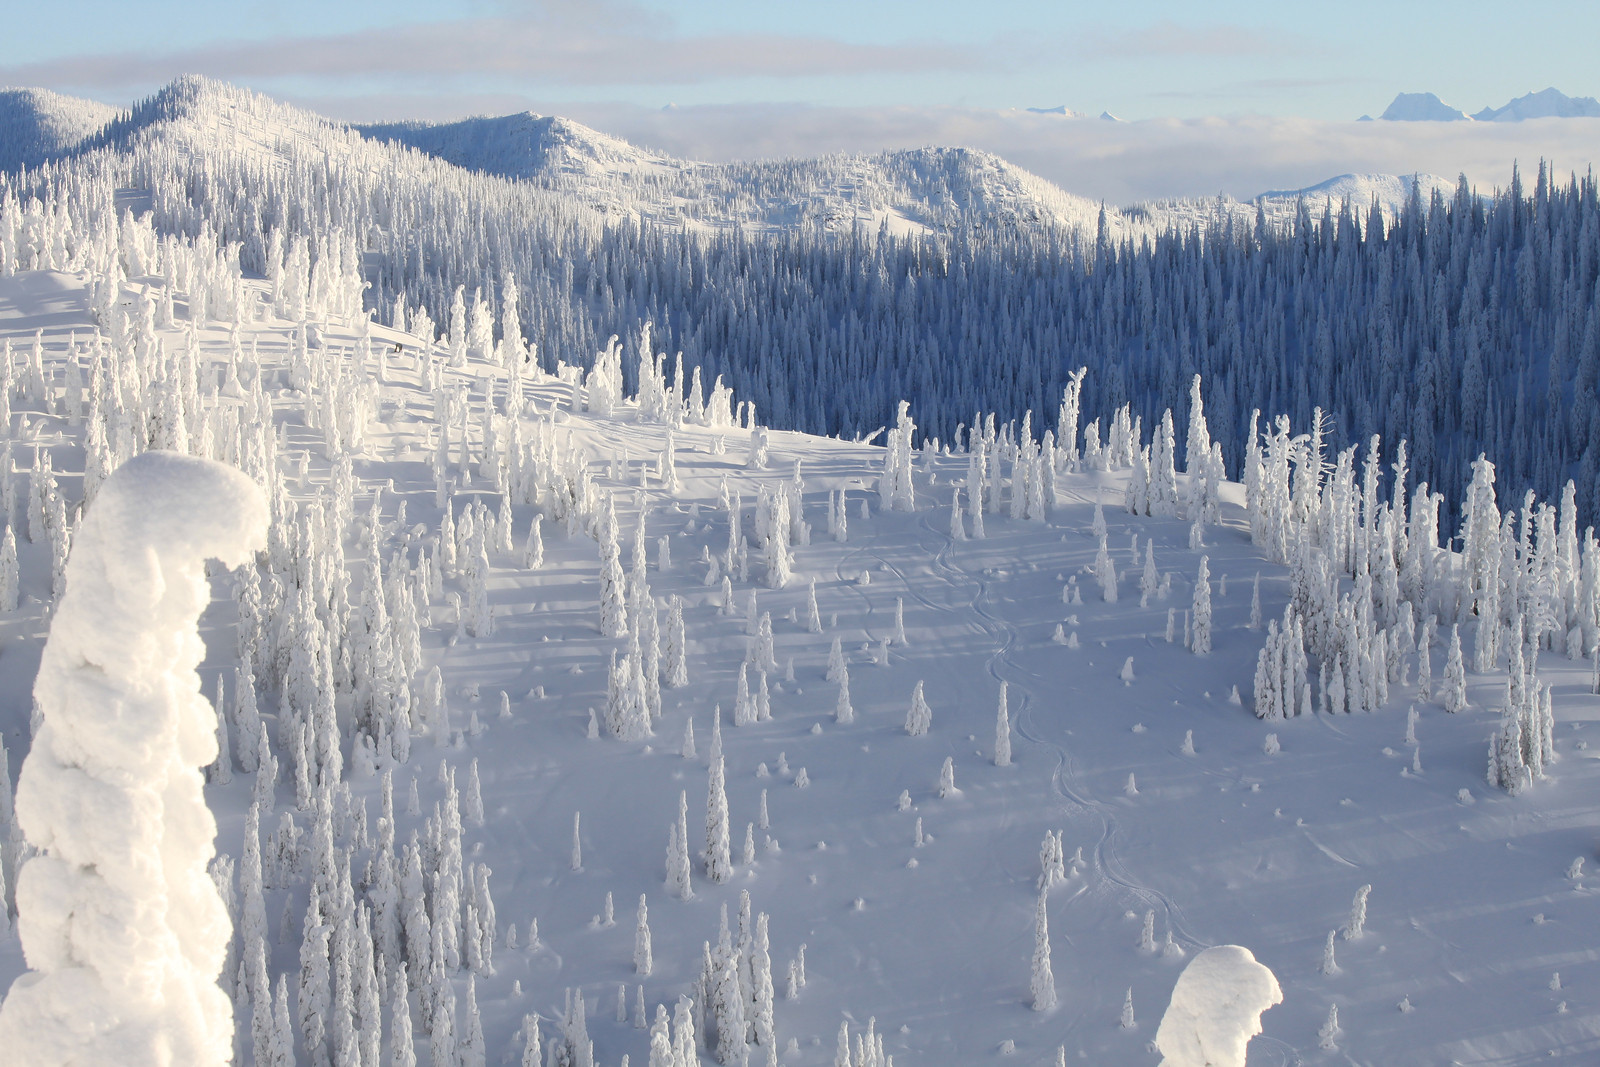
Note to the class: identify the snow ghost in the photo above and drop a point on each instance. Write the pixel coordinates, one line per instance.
(1216, 1009)
(122, 926)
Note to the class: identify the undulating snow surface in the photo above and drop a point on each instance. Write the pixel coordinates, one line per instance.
(883, 852)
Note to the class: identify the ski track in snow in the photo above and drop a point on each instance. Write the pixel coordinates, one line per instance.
(1457, 885)
(1105, 862)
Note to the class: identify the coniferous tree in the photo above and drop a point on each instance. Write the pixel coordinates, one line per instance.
(1200, 639)
(919, 717)
(718, 850)
(532, 1053)
(1454, 696)
(1043, 984)
(1002, 732)
(10, 581)
(642, 960)
(1105, 570)
(679, 883)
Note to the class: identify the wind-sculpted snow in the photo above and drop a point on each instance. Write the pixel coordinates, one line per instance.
(120, 921)
(1216, 1009)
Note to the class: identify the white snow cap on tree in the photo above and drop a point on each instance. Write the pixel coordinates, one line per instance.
(119, 918)
(1216, 1009)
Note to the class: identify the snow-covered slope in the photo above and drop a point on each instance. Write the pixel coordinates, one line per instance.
(587, 172)
(1280, 206)
(523, 145)
(1391, 191)
(1421, 107)
(36, 124)
(903, 872)
(915, 191)
(1546, 103)
(592, 174)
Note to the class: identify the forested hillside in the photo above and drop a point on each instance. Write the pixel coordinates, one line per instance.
(1467, 324)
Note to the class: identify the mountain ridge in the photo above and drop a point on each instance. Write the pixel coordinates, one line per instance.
(932, 189)
(1544, 104)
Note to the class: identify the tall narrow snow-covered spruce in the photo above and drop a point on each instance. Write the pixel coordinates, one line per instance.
(1200, 625)
(1043, 983)
(120, 921)
(1002, 732)
(718, 853)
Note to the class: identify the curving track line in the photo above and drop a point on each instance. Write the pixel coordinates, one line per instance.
(1105, 861)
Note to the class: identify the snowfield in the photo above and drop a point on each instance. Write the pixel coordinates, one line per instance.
(897, 905)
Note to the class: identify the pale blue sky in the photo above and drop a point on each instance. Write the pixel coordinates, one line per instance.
(1138, 59)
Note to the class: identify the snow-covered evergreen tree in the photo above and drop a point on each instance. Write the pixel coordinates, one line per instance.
(919, 717)
(1002, 732)
(642, 960)
(1454, 692)
(1043, 983)
(843, 712)
(1200, 623)
(126, 630)
(718, 851)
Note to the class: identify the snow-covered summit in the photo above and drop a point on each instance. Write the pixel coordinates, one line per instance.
(910, 191)
(524, 145)
(1544, 104)
(1360, 190)
(573, 171)
(1422, 107)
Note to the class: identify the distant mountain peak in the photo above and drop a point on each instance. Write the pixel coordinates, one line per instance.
(1109, 117)
(1544, 104)
(1422, 107)
(1059, 109)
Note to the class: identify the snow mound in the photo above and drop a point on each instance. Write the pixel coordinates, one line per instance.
(1216, 1009)
(121, 924)
(1421, 107)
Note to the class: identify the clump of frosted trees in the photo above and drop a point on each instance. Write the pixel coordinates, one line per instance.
(1524, 582)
